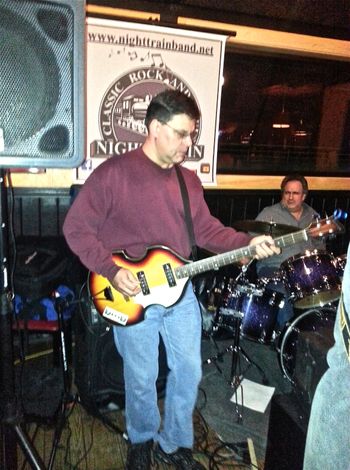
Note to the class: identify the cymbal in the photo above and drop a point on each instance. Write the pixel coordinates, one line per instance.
(261, 227)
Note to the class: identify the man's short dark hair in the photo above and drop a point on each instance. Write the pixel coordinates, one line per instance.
(295, 177)
(168, 103)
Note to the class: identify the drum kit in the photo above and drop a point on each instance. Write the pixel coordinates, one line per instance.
(312, 281)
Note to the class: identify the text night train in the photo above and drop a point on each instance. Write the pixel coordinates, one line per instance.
(105, 148)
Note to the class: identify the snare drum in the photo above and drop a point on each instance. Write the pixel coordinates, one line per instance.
(256, 307)
(209, 297)
(312, 279)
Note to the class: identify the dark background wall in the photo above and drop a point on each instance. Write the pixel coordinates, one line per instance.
(41, 212)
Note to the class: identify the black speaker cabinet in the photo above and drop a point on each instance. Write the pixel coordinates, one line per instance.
(42, 77)
(286, 435)
(98, 365)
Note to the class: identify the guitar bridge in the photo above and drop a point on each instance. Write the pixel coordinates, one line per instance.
(143, 283)
(169, 275)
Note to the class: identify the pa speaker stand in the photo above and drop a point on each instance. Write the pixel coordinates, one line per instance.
(12, 432)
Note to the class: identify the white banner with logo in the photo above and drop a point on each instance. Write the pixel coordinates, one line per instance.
(128, 64)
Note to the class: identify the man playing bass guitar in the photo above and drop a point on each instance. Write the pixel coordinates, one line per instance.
(132, 202)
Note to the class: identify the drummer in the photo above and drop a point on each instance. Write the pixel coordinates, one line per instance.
(292, 210)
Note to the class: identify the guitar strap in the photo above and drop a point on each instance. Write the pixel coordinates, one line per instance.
(187, 212)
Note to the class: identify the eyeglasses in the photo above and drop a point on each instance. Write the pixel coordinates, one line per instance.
(182, 135)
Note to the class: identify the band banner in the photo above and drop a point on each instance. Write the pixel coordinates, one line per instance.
(127, 65)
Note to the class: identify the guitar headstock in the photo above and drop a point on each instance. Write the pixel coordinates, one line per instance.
(328, 226)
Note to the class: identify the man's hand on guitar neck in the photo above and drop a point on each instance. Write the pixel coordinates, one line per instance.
(264, 246)
(126, 283)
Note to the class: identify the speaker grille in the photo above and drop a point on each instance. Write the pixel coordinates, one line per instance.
(42, 83)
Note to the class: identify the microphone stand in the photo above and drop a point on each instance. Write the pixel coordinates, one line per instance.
(67, 398)
(11, 430)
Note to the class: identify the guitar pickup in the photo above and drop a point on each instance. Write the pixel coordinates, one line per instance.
(143, 283)
(169, 275)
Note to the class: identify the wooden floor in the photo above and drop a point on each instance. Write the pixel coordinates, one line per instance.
(87, 443)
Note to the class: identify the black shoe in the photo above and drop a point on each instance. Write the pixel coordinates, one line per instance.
(182, 459)
(139, 456)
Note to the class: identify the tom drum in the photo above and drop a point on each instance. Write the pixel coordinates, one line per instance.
(256, 307)
(313, 279)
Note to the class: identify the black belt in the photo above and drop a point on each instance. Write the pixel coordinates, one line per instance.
(345, 327)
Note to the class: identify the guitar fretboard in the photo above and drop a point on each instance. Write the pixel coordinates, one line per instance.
(218, 261)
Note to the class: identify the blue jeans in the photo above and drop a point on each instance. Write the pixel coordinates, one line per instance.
(180, 328)
(328, 437)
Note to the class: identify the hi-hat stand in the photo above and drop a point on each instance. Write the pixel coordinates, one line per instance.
(237, 372)
(11, 431)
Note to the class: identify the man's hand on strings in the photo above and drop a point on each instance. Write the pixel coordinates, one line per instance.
(264, 246)
(126, 283)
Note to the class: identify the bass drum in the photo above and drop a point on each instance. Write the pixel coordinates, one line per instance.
(303, 348)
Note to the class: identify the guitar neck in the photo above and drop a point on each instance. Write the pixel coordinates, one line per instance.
(224, 259)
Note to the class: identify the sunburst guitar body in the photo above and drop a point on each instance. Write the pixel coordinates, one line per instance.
(158, 281)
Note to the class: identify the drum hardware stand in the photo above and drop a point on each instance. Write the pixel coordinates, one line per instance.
(236, 375)
(218, 357)
(236, 370)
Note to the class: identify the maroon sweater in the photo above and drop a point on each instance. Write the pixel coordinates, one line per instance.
(130, 203)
